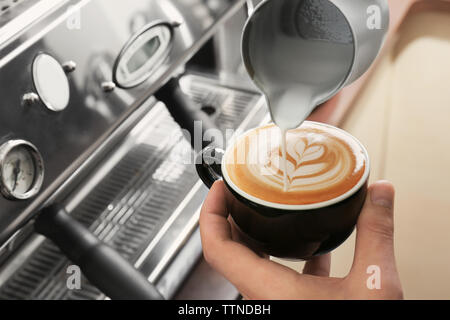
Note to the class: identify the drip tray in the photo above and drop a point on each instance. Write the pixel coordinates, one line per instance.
(143, 200)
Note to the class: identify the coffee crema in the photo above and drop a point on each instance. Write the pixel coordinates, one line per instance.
(323, 163)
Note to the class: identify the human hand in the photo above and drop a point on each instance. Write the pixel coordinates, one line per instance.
(261, 279)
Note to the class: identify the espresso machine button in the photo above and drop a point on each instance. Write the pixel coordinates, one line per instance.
(30, 98)
(51, 83)
(69, 66)
(108, 86)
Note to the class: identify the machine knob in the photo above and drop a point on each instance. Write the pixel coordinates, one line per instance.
(108, 86)
(69, 66)
(51, 83)
(30, 98)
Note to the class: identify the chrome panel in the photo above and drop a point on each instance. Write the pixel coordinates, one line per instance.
(111, 201)
(68, 140)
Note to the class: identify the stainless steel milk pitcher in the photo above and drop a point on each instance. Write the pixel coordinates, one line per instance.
(364, 27)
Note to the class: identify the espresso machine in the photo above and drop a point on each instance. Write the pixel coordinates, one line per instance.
(97, 96)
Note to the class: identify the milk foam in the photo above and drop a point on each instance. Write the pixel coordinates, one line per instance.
(321, 162)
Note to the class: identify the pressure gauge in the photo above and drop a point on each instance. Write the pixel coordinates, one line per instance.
(143, 54)
(21, 170)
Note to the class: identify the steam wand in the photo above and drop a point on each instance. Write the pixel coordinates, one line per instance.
(103, 267)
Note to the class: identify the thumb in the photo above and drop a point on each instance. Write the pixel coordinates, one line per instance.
(375, 230)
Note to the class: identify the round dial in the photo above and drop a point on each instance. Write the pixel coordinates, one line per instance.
(143, 54)
(51, 83)
(21, 170)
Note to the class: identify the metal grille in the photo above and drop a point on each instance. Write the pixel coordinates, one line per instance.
(125, 210)
(131, 203)
(227, 105)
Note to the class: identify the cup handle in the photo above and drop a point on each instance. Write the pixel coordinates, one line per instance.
(208, 164)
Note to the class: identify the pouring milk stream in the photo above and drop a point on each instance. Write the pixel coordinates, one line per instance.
(300, 53)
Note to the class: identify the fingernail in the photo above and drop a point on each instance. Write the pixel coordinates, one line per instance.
(382, 195)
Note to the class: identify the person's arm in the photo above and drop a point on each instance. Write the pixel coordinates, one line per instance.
(261, 279)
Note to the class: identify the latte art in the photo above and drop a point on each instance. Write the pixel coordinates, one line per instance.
(322, 164)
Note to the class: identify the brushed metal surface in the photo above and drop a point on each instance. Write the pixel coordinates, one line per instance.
(143, 200)
(67, 140)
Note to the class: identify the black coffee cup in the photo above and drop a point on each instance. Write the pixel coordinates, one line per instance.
(297, 232)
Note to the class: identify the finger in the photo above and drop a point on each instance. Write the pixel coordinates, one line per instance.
(318, 266)
(252, 275)
(214, 214)
(375, 230)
